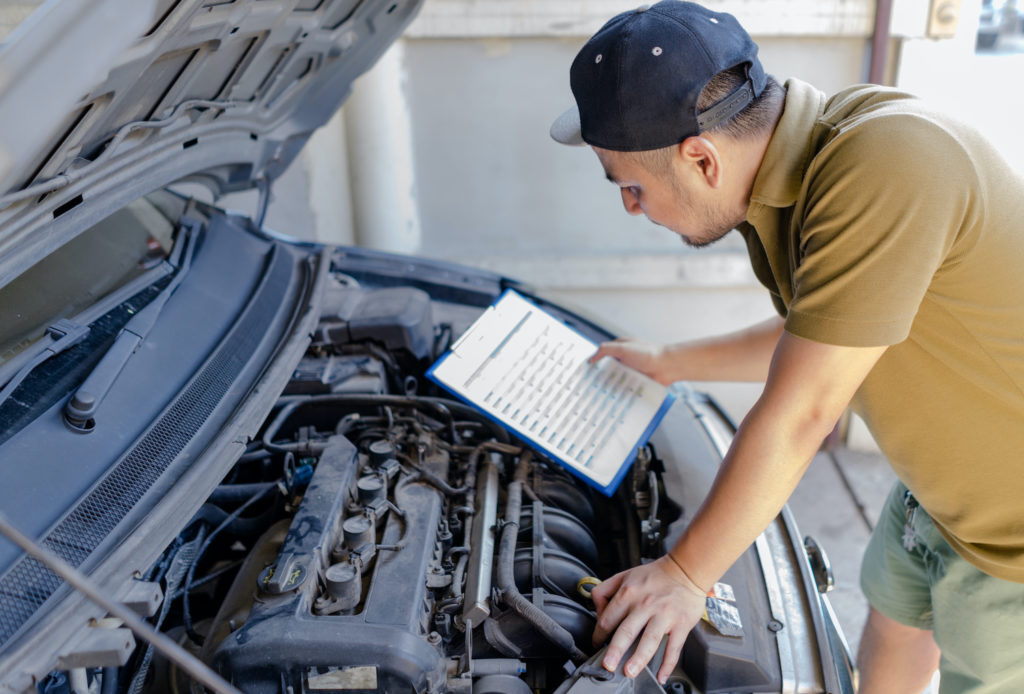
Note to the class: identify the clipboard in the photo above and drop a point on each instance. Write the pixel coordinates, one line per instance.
(530, 372)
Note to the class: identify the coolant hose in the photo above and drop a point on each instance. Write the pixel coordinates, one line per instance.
(237, 493)
(547, 626)
(437, 406)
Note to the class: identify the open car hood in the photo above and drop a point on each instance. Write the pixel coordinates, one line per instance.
(105, 100)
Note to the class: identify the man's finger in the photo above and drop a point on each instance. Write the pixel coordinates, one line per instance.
(673, 649)
(624, 636)
(612, 348)
(647, 646)
(607, 622)
(602, 592)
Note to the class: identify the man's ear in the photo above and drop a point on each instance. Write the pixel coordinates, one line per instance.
(700, 157)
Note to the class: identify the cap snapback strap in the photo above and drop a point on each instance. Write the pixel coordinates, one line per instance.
(727, 107)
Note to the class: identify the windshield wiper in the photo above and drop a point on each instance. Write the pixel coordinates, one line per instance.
(80, 411)
(65, 334)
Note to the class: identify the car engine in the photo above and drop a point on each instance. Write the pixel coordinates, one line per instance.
(381, 536)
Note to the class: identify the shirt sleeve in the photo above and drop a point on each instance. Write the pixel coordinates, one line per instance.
(885, 201)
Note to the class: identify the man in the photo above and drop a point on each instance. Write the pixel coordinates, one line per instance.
(892, 241)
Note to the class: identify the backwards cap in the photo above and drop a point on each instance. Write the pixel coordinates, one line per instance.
(637, 80)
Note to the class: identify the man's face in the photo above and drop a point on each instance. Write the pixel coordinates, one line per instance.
(669, 199)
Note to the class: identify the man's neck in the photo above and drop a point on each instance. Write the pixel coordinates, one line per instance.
(751, 151)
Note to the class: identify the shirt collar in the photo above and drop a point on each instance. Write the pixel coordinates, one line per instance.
(780, 175)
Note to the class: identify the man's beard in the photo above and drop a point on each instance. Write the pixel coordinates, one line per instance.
(716, 224)
(706, 241)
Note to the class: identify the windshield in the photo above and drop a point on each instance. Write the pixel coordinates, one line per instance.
(102, 259)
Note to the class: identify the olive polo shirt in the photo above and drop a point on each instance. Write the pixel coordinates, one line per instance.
(875, 220)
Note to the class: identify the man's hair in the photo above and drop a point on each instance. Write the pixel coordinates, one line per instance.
(757, 118)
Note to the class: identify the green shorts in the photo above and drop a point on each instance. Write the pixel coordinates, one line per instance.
(977, 620)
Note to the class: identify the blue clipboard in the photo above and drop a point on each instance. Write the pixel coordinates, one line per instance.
(477, 353)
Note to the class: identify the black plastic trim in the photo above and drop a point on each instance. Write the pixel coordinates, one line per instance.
(28, 584)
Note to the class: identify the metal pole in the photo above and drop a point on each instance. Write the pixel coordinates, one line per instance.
(382, 174)
(880, 42)
(194, 667)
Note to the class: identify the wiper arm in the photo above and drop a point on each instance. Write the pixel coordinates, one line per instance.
(80, 411)
(65, 334)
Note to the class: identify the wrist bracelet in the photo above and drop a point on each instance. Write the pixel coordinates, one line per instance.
(695, 589)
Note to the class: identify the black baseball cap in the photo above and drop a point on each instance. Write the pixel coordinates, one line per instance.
(637, 80)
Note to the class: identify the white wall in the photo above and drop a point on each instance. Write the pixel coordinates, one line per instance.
(490, 179)
(482, 83)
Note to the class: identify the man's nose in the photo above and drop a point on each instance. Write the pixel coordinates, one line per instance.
(630, 202)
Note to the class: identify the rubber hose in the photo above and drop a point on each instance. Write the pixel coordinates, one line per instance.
(547, 626)
(237, 493)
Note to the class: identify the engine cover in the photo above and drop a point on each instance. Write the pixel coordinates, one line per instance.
(284, 645)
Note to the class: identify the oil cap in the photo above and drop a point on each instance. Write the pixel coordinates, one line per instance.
(284, 575)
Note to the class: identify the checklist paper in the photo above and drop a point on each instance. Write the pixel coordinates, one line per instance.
(529, 371)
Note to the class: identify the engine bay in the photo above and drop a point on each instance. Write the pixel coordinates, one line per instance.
(376, 539)
(380, 536)
(383, 576)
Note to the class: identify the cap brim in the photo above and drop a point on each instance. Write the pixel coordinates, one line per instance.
(566, 128)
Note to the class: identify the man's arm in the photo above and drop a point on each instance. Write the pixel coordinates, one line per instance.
(808, 386)
(744, 355)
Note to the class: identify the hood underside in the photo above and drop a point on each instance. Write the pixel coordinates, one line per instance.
(105, 100)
